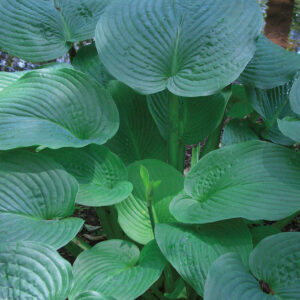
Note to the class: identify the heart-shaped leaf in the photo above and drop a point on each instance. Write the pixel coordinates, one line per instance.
(192, 249)
(43, 30)
(36, 198)
(192, 48)
(247, 180)
(101, 174)
(117, 268)
(56, 108)
(133, 141)
(92, 295)
(199, 116)
(237, 131)
(88, 61)
(274, 266)
(133, 214)
(33, 271)
(271, 66)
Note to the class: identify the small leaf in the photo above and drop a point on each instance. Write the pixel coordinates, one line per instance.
(36, 199)
(246, 180)
(33, 271)
(271, 66)
(56, 108)
(101, 174)
(274, 272)
(133, 214)
(88, 61)
(117, 268)
(133, 141)
(192, 48)
(192, 250)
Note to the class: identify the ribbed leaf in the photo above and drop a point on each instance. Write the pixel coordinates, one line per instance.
(192, 48)
(274, 266)
(117, 268)
(247, 180)
(133, 214)
(138, 137)
(271, 66)
(91, 295)
(42, 30)
(56, 108)
(101, 174)
(199, 116)
(192, 249)
(88, 61)
(290, 127)
(33, 271)
(295, 96)
(36, 198)
(237, 131)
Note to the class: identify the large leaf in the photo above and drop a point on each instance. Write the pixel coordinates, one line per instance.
(88, 61)
(133, 214)
(101, 174)
(272, 104)
(274, 266)
(271, 66)
(192, 48)
(192, 250)
(33, 271)
(92, 295)
(237, 131)
(117, 268)
(36, 198)
(199, 116)
(42, 30)
(138, 137)
(290, 127)
(56, 108)
(295, 97)
(248, 180)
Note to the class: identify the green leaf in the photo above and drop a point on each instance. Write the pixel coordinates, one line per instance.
(56, 108)
(43, 30)
(117, 268)
(260, 232)
(33, 271)
(239, 106)
(192, 48)
(133, 141)
(101, 174)
(295, 96)
(36, 198)
(237, 131)
(247, 180)
(192, 249)
(88, 61)
(92, 295)
(133, 214)
(199, 116)
(271, 66)
(290, 127)
(274, 264)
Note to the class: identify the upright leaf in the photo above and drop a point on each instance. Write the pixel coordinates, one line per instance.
(101, 174)
(274, 266)
(248, 180)
(36, 198)
(117, 268)
(192, 249)
(199, 116)
(56, 108)
(133, 141)
(271, 66)
(33, 271)
(43, 30)
(192, 48)
(133, 214)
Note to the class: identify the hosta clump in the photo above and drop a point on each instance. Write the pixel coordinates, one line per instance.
(109, 133)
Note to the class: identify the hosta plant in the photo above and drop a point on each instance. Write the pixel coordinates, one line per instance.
(108, 133)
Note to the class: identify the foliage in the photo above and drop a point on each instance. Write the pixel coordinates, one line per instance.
(109, 132)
